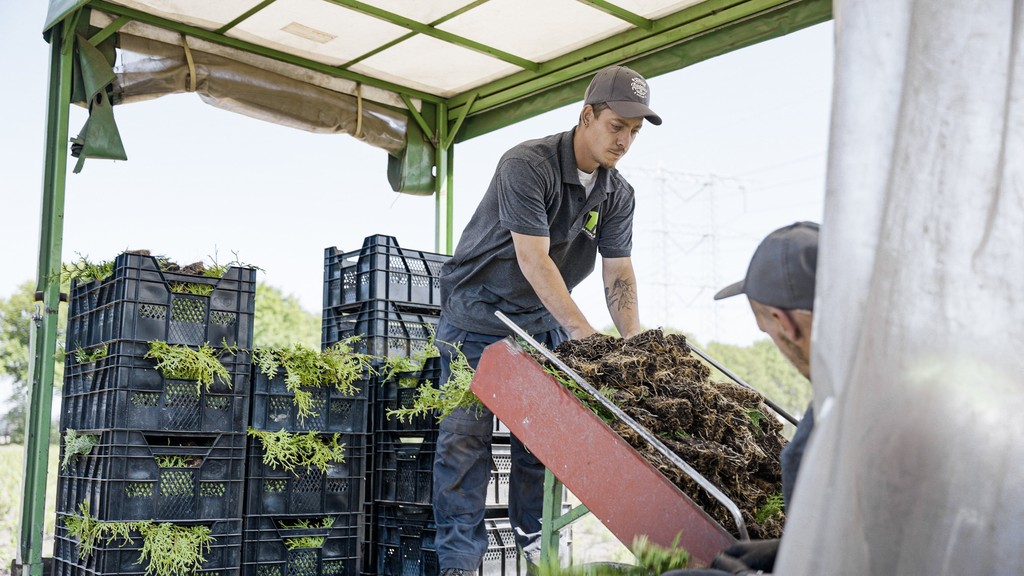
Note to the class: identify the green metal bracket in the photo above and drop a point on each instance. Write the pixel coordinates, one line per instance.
(109, 30)
(458, 122)
(419, 118)
(553, 521)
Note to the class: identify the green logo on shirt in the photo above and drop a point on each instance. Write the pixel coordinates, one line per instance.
(590, 226)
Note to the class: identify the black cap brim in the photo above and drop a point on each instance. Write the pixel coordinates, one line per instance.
(731, 290)
(635, 110)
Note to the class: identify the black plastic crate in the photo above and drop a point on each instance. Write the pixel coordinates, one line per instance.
(403, 470)
(124, 390)
(122, 557)
(130, 475)
(270, 546)
(310, 491)
(400, 391)
(405, 544)
(382, 270)
(140, 302)
(387, 329)
(274, 408)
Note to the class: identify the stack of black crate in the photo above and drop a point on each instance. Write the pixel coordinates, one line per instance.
(390, 296)
(306, 521)
(163, 450)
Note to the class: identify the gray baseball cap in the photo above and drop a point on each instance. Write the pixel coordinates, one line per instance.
(624, 91)
(781, 273)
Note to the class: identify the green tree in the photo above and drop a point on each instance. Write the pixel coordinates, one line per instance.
(15, 324)
(281, 321)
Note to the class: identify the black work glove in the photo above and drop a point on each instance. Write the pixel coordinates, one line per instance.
(749, 555)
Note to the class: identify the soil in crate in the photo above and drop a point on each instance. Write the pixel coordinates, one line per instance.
(724, 430)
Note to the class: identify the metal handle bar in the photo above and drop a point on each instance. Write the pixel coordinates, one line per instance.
(778, 409)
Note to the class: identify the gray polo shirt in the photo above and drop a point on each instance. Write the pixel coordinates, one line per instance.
(535, 191)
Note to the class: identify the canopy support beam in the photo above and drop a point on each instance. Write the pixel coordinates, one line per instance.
(678, 41)
(43, 331)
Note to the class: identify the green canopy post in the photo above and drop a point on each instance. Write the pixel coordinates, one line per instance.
(43, 336)
(443, 187)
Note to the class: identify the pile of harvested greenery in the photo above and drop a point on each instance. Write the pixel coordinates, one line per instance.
(724, 430)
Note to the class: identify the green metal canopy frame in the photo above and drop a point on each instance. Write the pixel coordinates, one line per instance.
(689, 33)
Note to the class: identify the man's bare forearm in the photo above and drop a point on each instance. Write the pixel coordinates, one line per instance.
(621, 295)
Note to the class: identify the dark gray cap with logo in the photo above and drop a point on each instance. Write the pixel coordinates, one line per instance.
(781, 273)
(624, 91)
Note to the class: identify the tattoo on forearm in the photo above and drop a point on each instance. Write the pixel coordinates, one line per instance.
(621, 295)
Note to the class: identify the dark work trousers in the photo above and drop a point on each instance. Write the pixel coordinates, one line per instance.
(462, 468)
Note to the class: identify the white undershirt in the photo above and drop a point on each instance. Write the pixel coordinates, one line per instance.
(587, 180)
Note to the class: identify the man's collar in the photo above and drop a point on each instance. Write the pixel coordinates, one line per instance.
(567, 158)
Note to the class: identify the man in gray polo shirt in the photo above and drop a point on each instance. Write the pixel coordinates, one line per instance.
(551, 207)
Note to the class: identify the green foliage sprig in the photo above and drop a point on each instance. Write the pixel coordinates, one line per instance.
(337, 366)
(85, 270)
(193, 288)
(658, 559)
(173, 550)
(185, 363)
(305, 523)
(76, 445)
(771, 508)
(88, 530)
(755, 417)
(83, 357)
(304, 542)
(441, 402)
(287, 451)
(169, 549)
(401, 364)
(174, 462)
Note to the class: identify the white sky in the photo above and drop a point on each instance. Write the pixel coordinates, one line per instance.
(741, 152)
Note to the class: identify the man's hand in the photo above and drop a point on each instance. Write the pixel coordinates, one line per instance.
(746, 556)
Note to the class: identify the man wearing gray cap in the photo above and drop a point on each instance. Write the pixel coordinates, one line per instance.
(552, 205)
(780, 287)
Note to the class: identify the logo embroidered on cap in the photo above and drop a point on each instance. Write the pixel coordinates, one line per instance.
(639, 87)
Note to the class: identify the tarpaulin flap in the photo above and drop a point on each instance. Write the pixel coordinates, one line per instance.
(412, 171)
(99, 137)
(151, 68)
(57, 11)
(916, 462)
